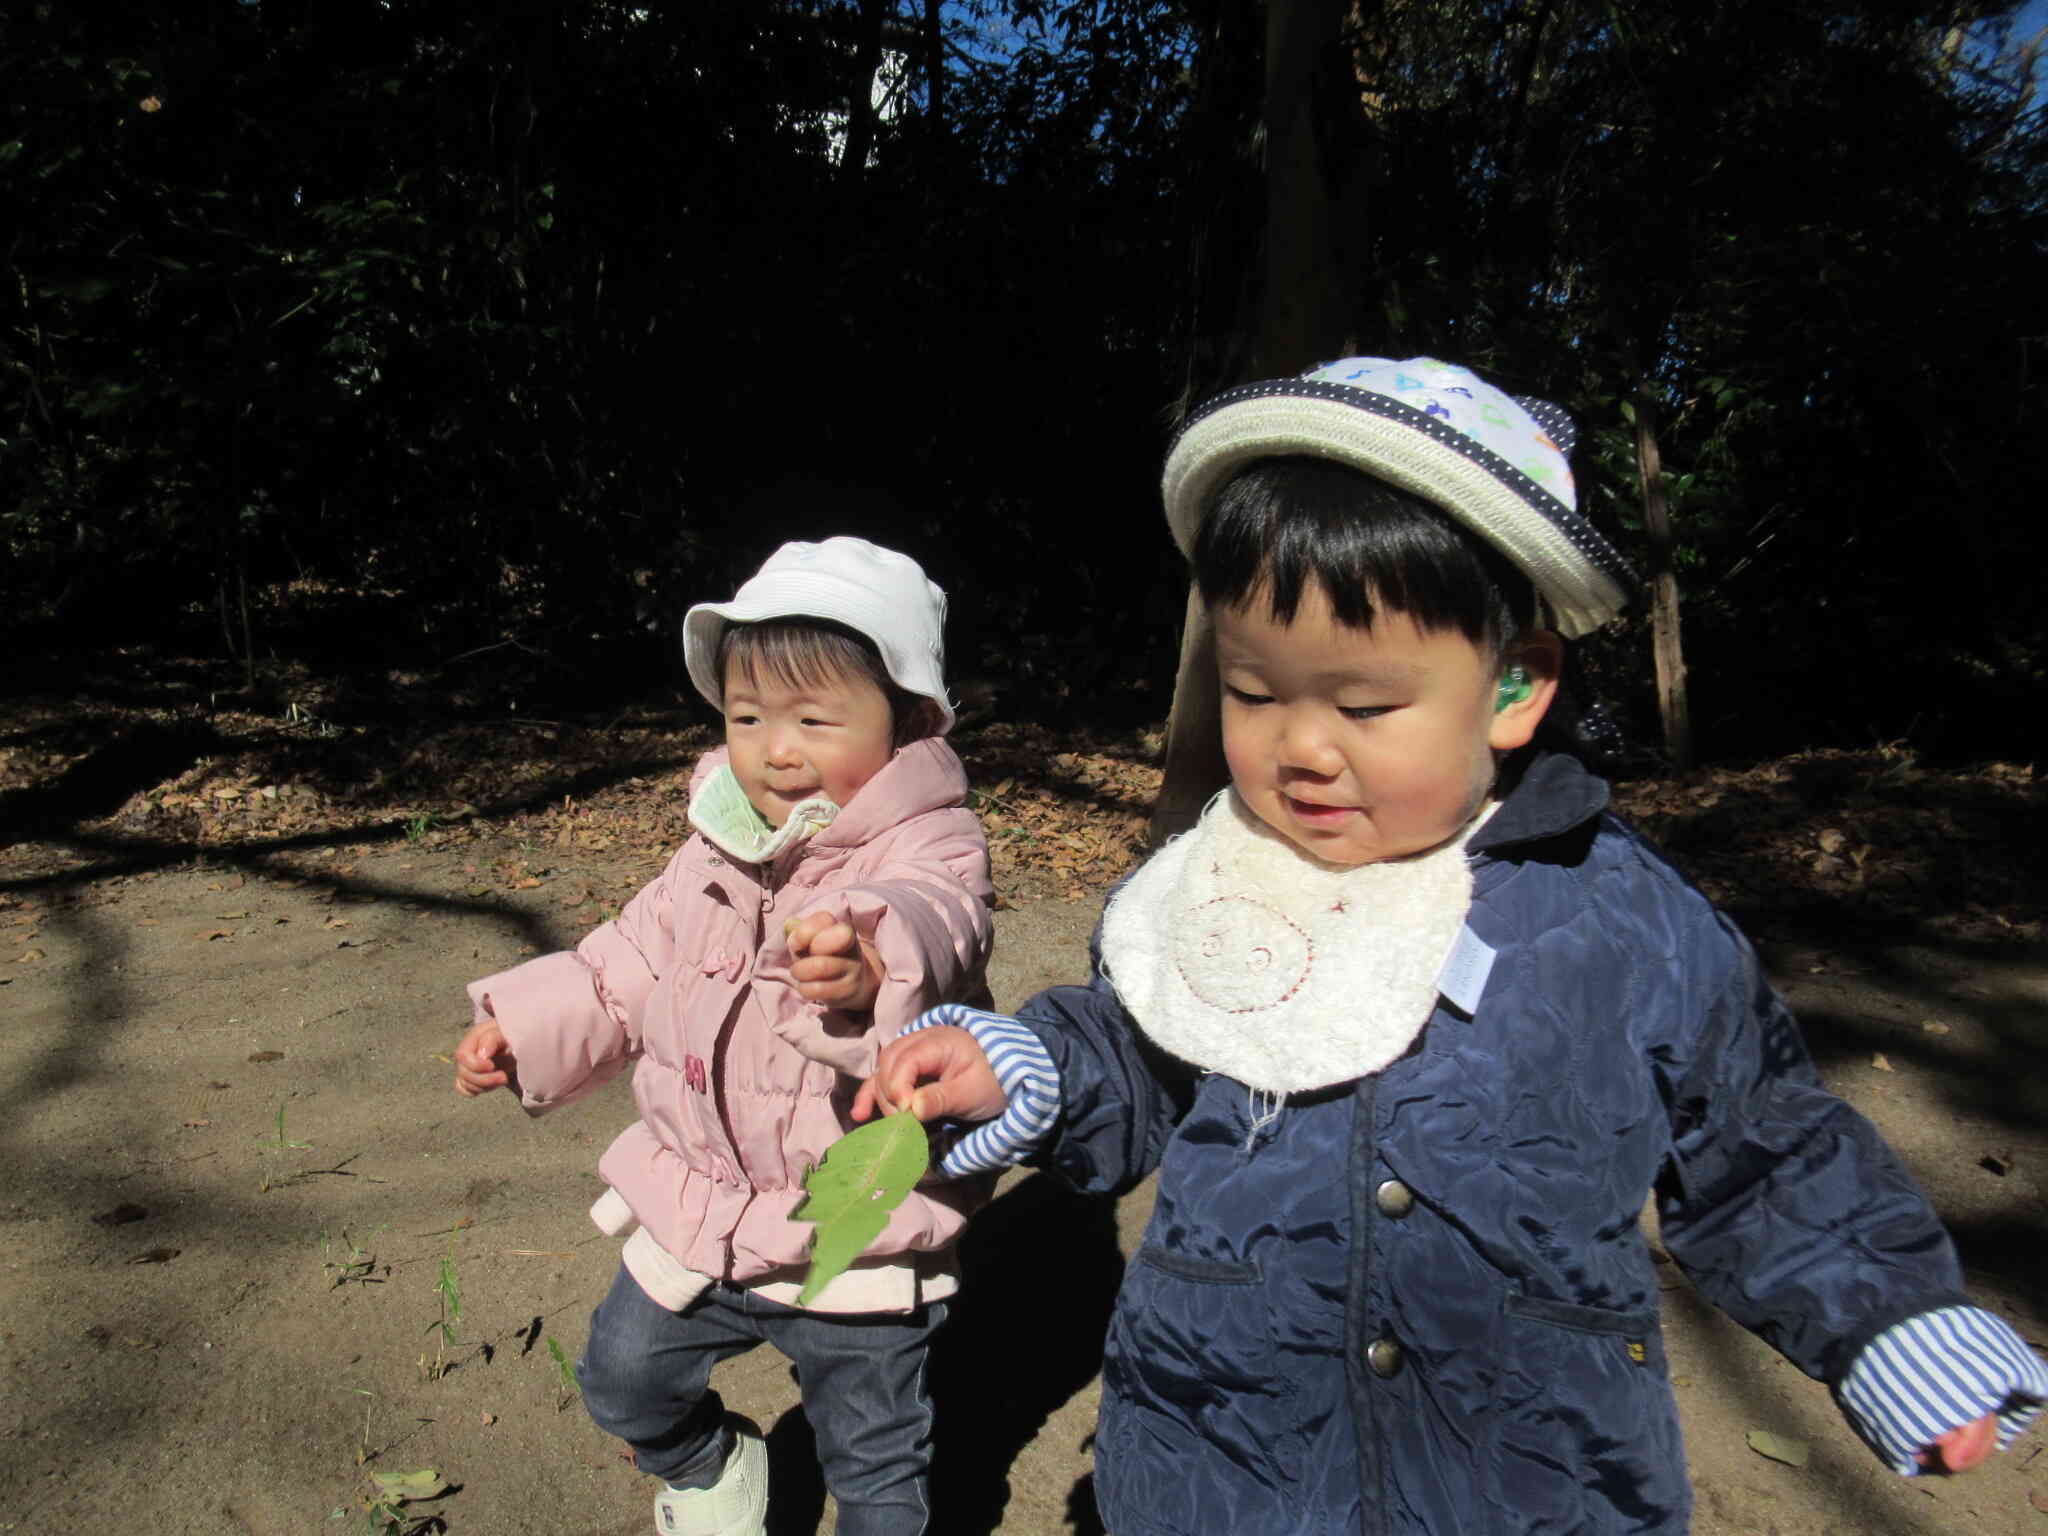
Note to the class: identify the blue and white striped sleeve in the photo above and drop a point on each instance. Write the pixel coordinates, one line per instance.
(1030, 1082)
(1936, 1372)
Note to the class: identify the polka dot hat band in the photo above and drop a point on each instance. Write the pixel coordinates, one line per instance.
(1494, 461)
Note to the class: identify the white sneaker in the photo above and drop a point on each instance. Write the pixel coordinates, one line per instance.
(735, 1505)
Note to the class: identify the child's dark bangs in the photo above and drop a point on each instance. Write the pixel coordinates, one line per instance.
(801, 653)
(1280, 525)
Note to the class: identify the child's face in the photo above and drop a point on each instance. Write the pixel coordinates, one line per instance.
(790, 744)
(1360, 745)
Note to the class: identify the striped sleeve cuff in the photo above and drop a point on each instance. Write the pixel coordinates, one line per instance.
(1030, 1082)
(1937, 1372)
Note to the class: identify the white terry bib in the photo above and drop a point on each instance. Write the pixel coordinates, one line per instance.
(1235, 951)
(722, 812)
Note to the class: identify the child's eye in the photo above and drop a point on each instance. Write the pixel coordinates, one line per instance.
(813, 720)
(1244, 696)
(1365, 711)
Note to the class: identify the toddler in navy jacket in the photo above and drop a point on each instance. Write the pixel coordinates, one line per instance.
(1411, 1026)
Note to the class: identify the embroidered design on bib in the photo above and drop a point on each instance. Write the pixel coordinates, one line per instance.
(1239, 953)
(1242, 955)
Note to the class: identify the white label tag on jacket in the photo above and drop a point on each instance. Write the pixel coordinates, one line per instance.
(1466, 967)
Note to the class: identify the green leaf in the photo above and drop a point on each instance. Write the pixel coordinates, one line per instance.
(423, 1484)
(864, 1176)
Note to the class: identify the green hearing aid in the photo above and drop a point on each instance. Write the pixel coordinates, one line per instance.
(1514, 687)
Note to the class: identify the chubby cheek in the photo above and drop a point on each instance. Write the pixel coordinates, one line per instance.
(1250, 769)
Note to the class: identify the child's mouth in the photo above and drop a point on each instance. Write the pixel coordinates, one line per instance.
(1318, 815)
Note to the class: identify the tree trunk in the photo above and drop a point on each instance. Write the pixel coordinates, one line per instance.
(1194, 768)
(1303, 315)
(860, 96)
(1302, 310)
(1672, 703)
(934, 69)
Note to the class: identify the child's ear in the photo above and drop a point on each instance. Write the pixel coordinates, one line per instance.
(1540, 655)
(920, 720)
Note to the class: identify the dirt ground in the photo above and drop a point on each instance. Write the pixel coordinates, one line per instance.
(237, 1180)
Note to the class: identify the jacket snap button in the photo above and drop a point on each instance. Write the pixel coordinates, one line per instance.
(1394, 1199)
(1384, 1356)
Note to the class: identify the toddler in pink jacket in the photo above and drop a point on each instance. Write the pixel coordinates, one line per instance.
(834, 886)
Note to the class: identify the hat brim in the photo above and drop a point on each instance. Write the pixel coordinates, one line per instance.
(798, 596)
(1580, 577)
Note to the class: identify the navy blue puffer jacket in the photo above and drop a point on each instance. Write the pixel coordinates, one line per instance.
(1422, 1303)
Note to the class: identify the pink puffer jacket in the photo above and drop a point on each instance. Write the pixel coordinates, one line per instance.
(741, 1084)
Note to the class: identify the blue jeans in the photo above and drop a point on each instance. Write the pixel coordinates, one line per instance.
(646, 1377)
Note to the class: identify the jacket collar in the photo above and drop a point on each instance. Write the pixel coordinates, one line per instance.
(1550, 794)
(926, 775)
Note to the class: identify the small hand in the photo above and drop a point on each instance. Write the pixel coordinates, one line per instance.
(1961, 1449)
(832, 964)
(484, 1061)
(937, 1073)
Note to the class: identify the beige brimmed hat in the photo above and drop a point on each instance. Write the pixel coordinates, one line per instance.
(872, 591)
(1496, 462)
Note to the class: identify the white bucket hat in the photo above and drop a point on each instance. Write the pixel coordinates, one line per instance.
(1494, 461)
(873, 591)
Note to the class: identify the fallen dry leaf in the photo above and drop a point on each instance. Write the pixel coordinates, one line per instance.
(216, 933)
(1777, 1447)
(266, 1055)
(156, 1256)
(2039, 1500)
(1878, 1061)
(28, 955)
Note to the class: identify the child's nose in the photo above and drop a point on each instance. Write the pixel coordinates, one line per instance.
(1306, 745)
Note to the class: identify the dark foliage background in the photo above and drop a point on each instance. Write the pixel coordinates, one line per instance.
(475, 342)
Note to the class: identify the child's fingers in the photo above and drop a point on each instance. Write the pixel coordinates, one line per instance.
(828, 979)
(822, 967)
(482, 1060)
(1961, 1449)
(870, 1100)
(817, 933)
(935, 1074)
(896, 1076)
(470, 1081)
